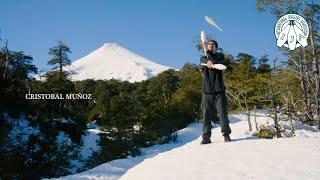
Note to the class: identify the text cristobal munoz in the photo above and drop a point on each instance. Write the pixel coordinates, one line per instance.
(58, 96)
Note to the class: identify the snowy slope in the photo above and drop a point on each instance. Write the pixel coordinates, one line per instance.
(116, 168)
(112, 61)
(245, 158)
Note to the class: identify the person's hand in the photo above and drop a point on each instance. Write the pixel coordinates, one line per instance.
(209, 64)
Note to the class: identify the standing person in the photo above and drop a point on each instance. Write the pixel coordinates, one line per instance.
(213, 94)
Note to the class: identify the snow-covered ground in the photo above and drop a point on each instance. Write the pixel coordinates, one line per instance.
(246, 157)
(90, 144)
(90, 140)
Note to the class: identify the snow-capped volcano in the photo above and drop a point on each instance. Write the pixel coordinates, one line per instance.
(112, 61)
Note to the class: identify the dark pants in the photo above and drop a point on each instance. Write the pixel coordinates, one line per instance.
(210, 102)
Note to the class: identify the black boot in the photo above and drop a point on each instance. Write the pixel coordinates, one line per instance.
(227, 138)
(206, 141)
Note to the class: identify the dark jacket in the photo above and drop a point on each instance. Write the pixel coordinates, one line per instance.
(212, 80)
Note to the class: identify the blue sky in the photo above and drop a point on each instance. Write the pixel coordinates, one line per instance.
(162, 31)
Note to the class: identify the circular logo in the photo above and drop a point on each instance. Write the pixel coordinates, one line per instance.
(291, 31)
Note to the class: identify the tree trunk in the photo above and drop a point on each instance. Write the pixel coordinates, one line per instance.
(276, 122)
(304, 90)
(309, 113)
(255, 118)
(249, 121)
(316, 73)
(6, 61)
(291, 122)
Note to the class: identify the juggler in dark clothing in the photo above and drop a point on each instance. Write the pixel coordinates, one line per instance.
(213, 96)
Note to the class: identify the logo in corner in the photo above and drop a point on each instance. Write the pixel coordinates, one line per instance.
(291, 31)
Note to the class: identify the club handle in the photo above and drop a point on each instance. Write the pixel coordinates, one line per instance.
(216, 66)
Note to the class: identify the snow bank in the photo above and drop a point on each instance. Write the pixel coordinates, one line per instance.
(115, 169)
(246, 157)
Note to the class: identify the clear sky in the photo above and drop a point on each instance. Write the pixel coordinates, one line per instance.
(162, 31)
